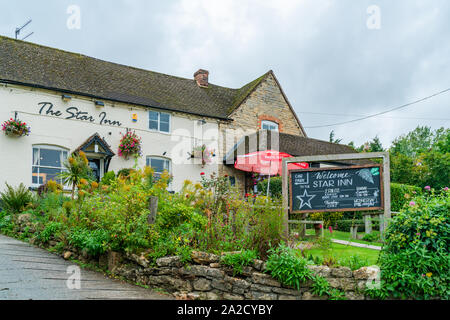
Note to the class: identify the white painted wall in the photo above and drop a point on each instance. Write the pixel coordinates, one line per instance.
(16, 153)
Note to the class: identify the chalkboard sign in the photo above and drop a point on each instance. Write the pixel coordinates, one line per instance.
(356, 188)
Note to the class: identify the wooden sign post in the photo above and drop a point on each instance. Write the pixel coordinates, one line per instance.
(153, 207)
(344, 188)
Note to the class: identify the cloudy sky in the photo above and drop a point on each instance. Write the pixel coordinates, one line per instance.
(335, 59)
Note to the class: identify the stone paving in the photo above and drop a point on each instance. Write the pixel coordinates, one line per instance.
(30, 273)
(356, 244)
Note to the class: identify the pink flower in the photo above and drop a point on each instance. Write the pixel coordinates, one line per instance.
(202, 174)
(446, 189)
(331, 229)
(320, 226)
(412, 204)
(428, 188)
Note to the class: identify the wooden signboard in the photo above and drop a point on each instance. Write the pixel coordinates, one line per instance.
(355, 188)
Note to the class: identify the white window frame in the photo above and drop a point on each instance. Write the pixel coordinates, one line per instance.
(48, 147)
(148, 163)
(159, 121)
(270, 124)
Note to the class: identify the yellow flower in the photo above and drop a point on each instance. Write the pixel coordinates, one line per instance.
(198, 186)
(187, 183)
(83, 157)
(429, 274)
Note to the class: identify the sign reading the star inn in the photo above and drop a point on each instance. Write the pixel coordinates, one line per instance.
(356, 188)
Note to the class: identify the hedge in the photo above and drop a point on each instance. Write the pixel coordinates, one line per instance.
(275, 187)
(344, 225)
(398, 192)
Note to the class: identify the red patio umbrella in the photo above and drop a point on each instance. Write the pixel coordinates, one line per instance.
(267, 162)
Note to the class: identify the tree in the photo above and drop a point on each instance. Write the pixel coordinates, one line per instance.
(370, 146)
(332, 140)
(76, 168)
(415, 142)
(422, 158)
(375, 145)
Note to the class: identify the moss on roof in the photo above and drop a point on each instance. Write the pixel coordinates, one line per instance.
(245, 91)
(36, 65)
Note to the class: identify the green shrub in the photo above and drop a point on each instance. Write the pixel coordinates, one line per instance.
(426, 222)
(344, 225)
(15, 200)
(50, 232)
(171, 215)
(329, 218)
(267, 225)
(93, 241)
(239, 260)
(125, 172)
(371, 237)
(108, 178)
(320, 286)
(284, 265)
(354, 262)
(415, 272)
(6, 222)
(400, 195)
(415, 259)
(275, 189)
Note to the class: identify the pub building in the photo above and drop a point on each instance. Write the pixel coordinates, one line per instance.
(72, 102)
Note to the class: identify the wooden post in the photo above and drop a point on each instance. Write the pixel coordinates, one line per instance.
(382, 221)
(354, 232)
(387, 194)
(285, 180)
(367, 223)
(153, 207)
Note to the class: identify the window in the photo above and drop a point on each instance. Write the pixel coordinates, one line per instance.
(159, 165)
(47, 164)
(159, 121)
(269, 125)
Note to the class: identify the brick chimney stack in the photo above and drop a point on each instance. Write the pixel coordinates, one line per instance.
(201, 77)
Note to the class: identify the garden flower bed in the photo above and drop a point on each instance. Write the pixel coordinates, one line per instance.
(107, 224)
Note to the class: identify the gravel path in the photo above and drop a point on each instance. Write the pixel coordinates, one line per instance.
(30, 273)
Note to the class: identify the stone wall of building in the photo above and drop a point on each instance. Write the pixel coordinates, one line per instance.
(266, 102)
(207, 279)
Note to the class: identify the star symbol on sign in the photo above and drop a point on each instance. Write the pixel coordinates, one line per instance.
(307, 202)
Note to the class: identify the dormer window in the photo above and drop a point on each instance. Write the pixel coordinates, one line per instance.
(269, 125)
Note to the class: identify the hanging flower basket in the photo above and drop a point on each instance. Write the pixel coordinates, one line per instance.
(15, 128)
(130, 145)
(204, 153)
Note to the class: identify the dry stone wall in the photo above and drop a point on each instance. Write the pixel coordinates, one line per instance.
(207, 279)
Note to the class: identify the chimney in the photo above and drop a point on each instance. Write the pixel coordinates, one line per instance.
(201, 77)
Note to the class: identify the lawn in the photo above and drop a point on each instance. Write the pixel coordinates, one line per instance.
(340, 252)
(341, 235)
